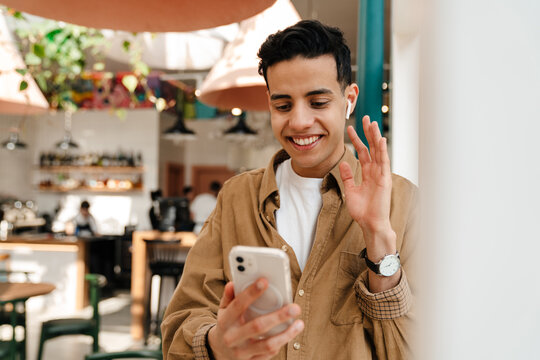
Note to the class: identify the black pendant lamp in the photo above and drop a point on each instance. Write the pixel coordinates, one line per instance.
(13, 143)
(179, 131)
(240, 131)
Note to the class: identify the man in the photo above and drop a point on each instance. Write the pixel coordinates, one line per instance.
(328, 211)
(203, 204)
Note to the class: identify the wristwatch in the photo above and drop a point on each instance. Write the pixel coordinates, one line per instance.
(387, 266)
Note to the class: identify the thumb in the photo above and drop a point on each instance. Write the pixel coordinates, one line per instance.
(228, 295)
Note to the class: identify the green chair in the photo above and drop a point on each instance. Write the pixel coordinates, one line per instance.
(128, 354)
(80, 326)
(13, 349)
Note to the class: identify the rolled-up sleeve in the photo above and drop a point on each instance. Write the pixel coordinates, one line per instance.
(386, 305)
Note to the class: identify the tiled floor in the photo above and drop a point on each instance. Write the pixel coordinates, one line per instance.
(114, 334)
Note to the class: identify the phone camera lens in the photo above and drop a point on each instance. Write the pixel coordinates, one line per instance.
(240, 259)
(241, 268)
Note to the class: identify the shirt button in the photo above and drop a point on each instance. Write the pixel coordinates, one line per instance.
(284, 248)
(296, 346)
(301, 292)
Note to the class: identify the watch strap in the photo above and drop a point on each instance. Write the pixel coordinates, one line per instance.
(375, 267)
(370, 264)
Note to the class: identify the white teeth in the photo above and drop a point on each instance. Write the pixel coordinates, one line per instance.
(305, 141)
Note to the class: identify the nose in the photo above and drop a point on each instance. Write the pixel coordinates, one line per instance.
(301, 118)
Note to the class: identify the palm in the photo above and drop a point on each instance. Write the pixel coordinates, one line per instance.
(368, 203)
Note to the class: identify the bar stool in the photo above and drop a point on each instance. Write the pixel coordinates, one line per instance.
(165, 259)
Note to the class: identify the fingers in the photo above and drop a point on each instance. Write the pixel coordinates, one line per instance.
(241, 302)
(361, 148)
(384, 158)
(346, 174)
(228, 295)
(261, 325)
(378, 151)
(271, 346)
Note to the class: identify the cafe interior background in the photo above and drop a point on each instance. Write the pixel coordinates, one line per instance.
(159, 108)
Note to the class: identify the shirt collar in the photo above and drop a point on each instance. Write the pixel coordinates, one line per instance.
(332, 179)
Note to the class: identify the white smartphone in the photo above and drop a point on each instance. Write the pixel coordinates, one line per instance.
(249, 263)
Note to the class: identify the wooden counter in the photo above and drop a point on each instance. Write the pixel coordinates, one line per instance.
(28, 244)
(139, 268)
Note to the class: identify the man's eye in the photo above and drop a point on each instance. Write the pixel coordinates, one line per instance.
(282, 107)
(319, 104)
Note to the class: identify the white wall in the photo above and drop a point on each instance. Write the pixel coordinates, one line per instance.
(14, 165)
(405, 53)
(479, 179)
(94, 131)
(210, 148)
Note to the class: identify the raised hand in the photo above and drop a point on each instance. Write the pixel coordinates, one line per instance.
(369, 202)
(234, 338)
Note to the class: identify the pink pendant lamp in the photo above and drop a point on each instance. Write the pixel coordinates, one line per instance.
(234, 82)
(143, 15)
(13, 101)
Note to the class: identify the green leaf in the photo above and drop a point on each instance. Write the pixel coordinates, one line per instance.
(75, 54)
(38, 50)
(130, 82)
(126, 45)
(76, 69)
(32, 59)
(22, 71)
(141, 68)
(52, 34)
(19, 15)
(23, 85)
(99, 66)
(42, 83)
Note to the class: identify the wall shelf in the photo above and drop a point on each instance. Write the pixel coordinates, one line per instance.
(91, 179)
(93, 169)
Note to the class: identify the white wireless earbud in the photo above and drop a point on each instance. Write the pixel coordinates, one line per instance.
(348, 111)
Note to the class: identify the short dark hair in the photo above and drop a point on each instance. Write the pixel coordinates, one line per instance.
(85, 205)
(187, 189)
(309, 39)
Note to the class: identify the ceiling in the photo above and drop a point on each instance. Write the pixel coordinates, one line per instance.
(341, 13)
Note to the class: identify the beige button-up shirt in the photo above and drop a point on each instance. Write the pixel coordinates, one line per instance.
(343, 320)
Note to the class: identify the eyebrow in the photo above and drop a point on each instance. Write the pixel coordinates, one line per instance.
(310, 93)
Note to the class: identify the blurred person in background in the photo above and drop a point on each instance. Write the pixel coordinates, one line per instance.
(203, 204)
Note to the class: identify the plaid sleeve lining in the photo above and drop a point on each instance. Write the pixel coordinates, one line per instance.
(386, 305)
(199, 343)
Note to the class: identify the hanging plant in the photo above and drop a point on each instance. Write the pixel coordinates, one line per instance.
(67, 62)
(57, 54)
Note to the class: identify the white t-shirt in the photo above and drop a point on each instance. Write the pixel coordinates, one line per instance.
(300, 204)
(201, 207)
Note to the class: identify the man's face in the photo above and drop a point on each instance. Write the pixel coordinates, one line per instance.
(307, 109)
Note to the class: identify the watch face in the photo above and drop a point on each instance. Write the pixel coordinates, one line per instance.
(389, 265)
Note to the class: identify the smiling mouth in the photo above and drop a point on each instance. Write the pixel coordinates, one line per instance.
(305, 141)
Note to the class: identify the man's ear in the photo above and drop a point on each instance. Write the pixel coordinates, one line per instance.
(351, 94)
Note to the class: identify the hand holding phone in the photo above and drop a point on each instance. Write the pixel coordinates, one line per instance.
(249, 263)
(232, 336)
